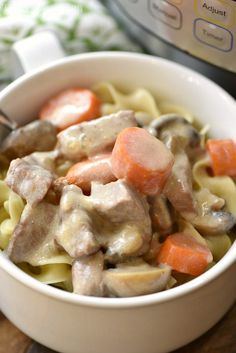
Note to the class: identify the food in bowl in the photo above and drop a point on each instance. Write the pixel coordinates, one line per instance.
(113, 194)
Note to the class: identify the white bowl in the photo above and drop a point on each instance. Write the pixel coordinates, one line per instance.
(155, 323)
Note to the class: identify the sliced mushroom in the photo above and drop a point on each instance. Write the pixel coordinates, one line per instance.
(211, 219)
(137, 278)
(127, 240)
(162, 220)
(214, 223)
(87, 275)
(154, 248)
(205, 214)
(208, 201)
(76, 233)
(179, 189)
(170, 125)
(36, 136)
(90, 138)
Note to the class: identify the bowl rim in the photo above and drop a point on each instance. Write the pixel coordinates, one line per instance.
(108, 55)
(115, 303)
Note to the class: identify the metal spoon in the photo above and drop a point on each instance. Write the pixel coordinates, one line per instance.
(6, 125)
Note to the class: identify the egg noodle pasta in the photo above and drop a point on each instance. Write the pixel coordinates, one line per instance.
(49, 274)
(167, 107)
(52, 270)
(84, 229)
(11, 207)
(139, 100)
(188, 228)
(218, 244)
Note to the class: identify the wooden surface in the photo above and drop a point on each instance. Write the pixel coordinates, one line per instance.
(220, 339)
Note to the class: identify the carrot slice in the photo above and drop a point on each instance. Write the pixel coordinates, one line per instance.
(142, 160)
(223, 156)
(184, 254)
(96, 169)
(70, 107)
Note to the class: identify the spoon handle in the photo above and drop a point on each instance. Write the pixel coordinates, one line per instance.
(6, 125)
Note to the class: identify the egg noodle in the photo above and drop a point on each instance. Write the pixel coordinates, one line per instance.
(56, 268)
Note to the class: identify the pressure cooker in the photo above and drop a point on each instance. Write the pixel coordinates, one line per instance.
(200, 34)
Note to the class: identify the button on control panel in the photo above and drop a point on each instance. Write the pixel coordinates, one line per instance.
(204, 28)
(213, 35)
(217, 11)
(166, 12)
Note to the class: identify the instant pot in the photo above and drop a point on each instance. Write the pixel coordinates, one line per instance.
(200, 34)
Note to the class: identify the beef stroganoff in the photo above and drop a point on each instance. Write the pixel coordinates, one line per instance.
(115, 194)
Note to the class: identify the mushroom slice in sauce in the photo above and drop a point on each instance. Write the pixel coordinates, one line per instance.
(214, 223)
(92, 137)
(170, 125)
(76, 234)
(178, 189)
(31, 182)
(162, 219)
(132, 279)
(36, 136)
(33, 239)
(211, 219)
(87, 275)
(154, 248)
(178, 134)
(208, 201)
(125, 242)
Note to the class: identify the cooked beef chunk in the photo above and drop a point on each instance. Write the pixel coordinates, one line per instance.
(76, 234)
(33, 239)
(127, 211)
(46, 160)
(36, 136)
(31, 182)
(179, 189)
(92, 137)
(87, 275)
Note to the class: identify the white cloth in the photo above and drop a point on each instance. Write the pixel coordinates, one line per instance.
(80, 25)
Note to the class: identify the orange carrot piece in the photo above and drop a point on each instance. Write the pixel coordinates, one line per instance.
(70, 107)
(142, 160)
(95, 169)
(223, 156)
(184, 254)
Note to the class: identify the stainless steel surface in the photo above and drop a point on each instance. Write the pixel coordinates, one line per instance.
(157, 45)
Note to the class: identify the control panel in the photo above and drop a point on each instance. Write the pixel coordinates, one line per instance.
(203, 28)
